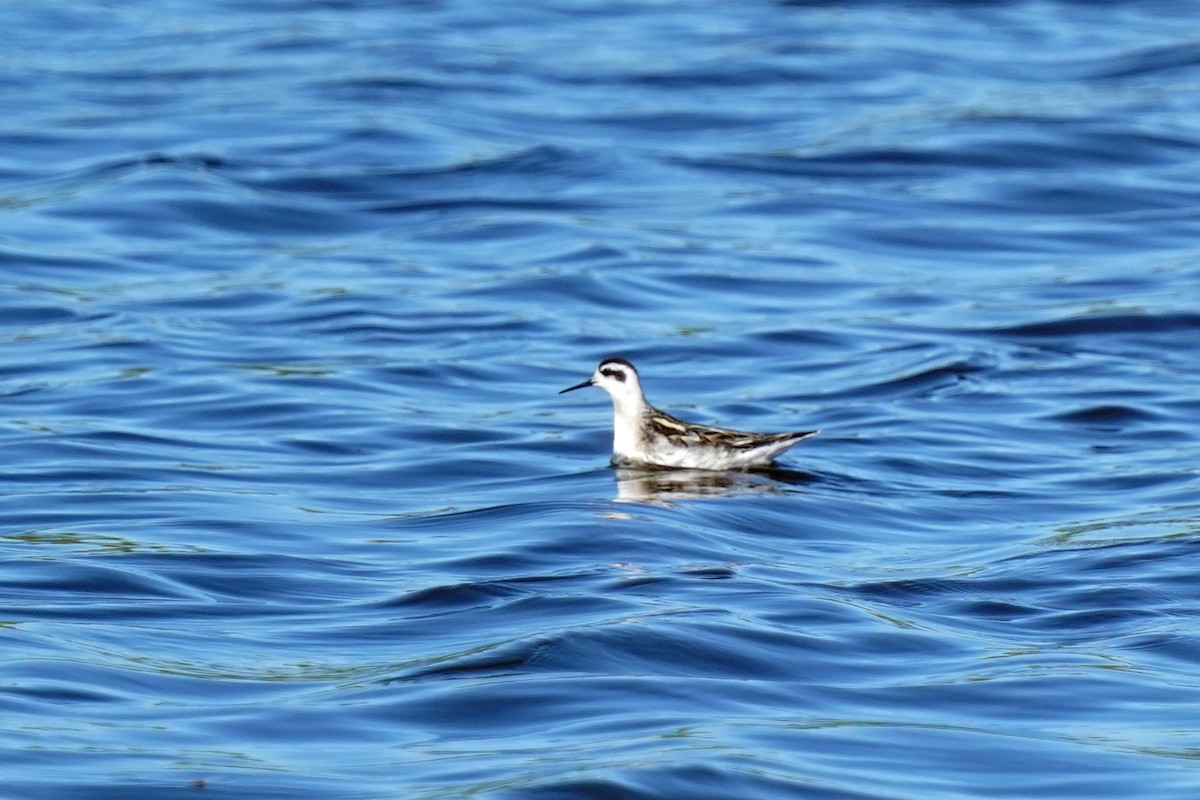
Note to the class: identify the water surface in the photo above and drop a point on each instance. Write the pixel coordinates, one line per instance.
(290, 507)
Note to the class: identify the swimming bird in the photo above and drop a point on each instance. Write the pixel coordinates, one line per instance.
(642, 434)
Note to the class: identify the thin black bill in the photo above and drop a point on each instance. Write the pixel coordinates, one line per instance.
(588, 382)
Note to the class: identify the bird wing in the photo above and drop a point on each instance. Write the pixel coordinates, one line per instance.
(687, 433)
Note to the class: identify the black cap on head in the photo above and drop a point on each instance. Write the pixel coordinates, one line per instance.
(620, 361)
(617, 368)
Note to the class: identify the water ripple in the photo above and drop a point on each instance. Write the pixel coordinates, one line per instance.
(290, 504)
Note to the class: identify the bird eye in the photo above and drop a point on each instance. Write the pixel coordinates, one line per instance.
(613, 373)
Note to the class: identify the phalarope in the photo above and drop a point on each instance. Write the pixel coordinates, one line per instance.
(642, 434)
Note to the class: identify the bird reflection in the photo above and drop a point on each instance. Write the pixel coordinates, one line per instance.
(666, 486)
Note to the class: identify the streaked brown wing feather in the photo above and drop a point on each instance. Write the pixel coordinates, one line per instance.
(686, 433)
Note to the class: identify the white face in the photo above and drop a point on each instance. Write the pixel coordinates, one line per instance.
(619, 379)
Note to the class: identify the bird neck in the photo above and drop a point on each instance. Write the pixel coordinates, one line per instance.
(627, 425)
(629, 408)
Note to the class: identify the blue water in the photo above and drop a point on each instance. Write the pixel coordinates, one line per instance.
(289, 505)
